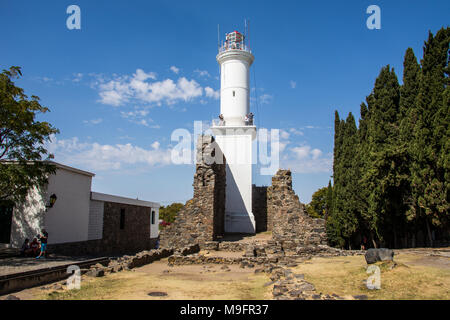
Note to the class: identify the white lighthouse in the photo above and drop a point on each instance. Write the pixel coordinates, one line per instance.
(234, 132)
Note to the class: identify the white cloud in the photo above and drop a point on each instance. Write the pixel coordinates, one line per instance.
(140, 75)
(100, 157)
(301, 152)
(308, 160)
(174, 69)
(295, 131)
(265, 98)
(137, 88)
(155, 145)
(134, 114)
(316, 153)
(93, 121)
(320, 165)
(284, 134)
(211, 93)
(293, 84)
(202, 73)
(77, 77)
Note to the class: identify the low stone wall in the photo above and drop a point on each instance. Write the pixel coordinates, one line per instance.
(202, 259)
(140, 259)
(223, 246)
(100, 248)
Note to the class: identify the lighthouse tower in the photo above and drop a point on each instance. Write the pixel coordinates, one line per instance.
(234, 132)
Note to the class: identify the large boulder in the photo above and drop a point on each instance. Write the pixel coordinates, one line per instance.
(382, 254)
(386, 254)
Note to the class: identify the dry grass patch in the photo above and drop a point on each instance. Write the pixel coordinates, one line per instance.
(347, 275)
(181, 283)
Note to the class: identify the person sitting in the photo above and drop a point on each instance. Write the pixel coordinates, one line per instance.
(246, 120)
(25, 247)
(221, 123)
(34, 247)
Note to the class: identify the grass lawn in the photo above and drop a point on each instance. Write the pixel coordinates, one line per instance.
(413, 278)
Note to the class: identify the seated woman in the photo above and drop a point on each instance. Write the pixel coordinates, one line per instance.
(34, 247)
(25, 247)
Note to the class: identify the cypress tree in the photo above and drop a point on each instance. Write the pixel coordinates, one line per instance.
(362, 162)
(383, 176)
(429, 150)
(408, 115)
(329, 200)
(344, 220)
(334, 227)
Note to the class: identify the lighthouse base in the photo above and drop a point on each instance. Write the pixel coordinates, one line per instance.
(236, 144)
(239, 223)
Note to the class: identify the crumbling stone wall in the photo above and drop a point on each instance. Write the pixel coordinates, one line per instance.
(202, 218)
(287, 218)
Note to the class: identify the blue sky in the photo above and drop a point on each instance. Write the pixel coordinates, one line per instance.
(137, 70)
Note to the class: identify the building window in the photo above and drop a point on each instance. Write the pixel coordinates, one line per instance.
(122, 219)
(234, 93)
(153, 217)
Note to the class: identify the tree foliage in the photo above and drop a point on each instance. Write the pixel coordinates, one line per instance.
(318, 207)
(169, 213)
(22, 139)
(392, 174)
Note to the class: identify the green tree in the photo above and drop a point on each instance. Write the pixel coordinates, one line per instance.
(318, 206)
(408, 115)
(384, 177)
(345, 205)
(333, 223)
(329, 200)
(22, 140)
(430, 146)
(169, 213)
(342, 222)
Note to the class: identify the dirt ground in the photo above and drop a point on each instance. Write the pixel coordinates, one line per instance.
(417, 274)
(191, 282)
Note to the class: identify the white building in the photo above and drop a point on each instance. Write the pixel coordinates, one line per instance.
(235, 132)
(80, 216)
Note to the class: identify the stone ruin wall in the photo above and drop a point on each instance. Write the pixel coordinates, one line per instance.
(287, 218)
(203, 217)
(276, 208)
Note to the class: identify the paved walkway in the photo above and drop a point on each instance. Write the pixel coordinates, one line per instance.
(20, 264)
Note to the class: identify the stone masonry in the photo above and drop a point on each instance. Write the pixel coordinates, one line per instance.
(202, 218)
(277, 208)
(133, 237)
(287, 218)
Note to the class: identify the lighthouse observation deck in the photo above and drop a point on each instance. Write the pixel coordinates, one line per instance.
(234, 41)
